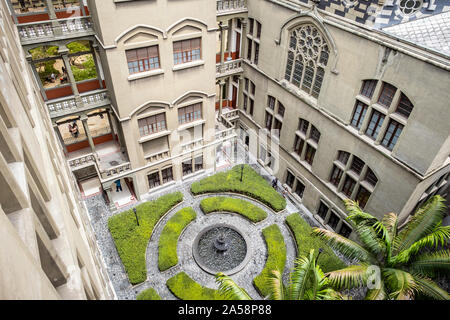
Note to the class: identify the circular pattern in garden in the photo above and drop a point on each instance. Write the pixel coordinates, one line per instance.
(221, 248)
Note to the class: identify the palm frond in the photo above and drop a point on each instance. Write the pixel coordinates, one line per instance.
(430, 289)
(401, 284)
(377, 293)
(277, 286)
(229, 289)
(300, 276)
(370, 239)
(346, 247)
(422, 223)
(350, 277)
(433, 264)
(356, 215)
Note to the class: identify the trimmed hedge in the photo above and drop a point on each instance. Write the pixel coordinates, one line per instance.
(252, 185)
(242, 207)
(167, 247)
(148, 294)
(276, 259)
(328, 260)
(184, 288)
(131, 240)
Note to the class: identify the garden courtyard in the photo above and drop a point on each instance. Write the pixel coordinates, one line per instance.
(166, 257)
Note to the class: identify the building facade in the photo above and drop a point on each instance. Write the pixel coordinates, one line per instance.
(338, 99)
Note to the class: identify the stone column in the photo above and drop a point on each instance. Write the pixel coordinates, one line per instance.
(221, 84)
(84, 120)
(36, 75)
(240, 97)
(230, 37)
(64, 52)
(56, 26)
(97, 63)
(112, 125)
(243, 38)
(60, 138)
(222, 44)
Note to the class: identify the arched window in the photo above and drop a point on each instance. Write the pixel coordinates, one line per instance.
(307, 57)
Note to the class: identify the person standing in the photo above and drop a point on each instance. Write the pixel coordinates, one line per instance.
(275, 183)
(118, 185)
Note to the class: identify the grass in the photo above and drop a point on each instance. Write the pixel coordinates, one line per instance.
(148, 294)
(252, 185)
(167, 247)
(184, 288)
(328, 260)
(276, 258)
(131, 240)
(242, 207)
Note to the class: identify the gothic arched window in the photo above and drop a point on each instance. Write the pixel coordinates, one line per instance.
(307, 58)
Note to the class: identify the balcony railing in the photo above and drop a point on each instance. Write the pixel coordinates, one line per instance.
(108, 173)
(231, 6)
(82, 161)
(47, 30)
(68, 105)
(228, 68)
(158, 156)
(231, 114)
(191, 145)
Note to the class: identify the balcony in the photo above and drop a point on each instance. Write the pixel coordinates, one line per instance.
(44, 31)
(228, 68)
(68, 105)
(224, 7)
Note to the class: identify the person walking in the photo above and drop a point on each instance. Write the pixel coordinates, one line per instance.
(275, 183)
(118, 185)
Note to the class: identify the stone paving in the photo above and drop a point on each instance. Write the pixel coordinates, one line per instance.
(99, 215)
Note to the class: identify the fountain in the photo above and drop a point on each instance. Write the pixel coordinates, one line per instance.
(221, 248)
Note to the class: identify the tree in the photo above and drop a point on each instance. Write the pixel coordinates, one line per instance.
(405, 261)
(307, 282)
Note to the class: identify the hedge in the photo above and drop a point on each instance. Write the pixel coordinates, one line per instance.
(167, 247)
(252, 185)
(184, 288)
(242, 207)
(276, 258)
(148, 294)
(328, 260)
(131, 240)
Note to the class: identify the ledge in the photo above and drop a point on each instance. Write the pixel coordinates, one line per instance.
(191, 124)
(188, 65)
(145, 74)
(154, 136)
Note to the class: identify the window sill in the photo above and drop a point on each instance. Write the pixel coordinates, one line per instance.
(154, 136)
(188, 65)
(190, 124)
(145, 74)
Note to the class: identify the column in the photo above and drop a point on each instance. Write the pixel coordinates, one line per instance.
(56, 26)
(222, 44)
(84, 120)
(240, 97)
(229, 37)
(243, 51)
(221, 84)
(60, 138)
(112, 125)
(36, 75)
(98, 68)
(64, 52)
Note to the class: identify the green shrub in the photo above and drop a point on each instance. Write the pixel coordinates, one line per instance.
(167, 247)
(131, 240)
(252, 185)
(276, 258)
(242, 207)
(148, 294)
(88, 71)
(328, 260)
(184, 288)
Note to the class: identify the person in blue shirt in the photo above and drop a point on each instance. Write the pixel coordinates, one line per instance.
(118, 185)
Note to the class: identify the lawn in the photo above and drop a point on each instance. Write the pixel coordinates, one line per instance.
(328, 260)
(184, 288)
(131, 240)
(276, 258)
(167, 247)
(252, 185)
(226, 204)
(148, 294)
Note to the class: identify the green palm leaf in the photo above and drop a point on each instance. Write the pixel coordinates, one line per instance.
(429, 288)
(300, 277)
(433, 264)
(278, 288)
(350, 277)
(229, 289)
(402, 284)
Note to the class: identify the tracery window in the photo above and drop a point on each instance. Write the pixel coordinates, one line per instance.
(408, 7)
(307, 58)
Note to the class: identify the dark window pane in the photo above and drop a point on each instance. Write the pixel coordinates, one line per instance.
(376, 120)
(315, 134)
(349, 184)
(362, 197)
(299, 189)
(298, 145)
(386, 95)
(336, 176)
(359, 114)
(392, 133)
(290, 179)
(310, 153)
(323, 210)
(404, 106)
(357, 165)
(343, 157)
(333, 221)
(368, 87)
(345, 230)
(167, 175)
(303, 126)
(153, 180)
(370, 177)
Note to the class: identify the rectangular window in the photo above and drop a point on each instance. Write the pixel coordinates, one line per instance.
(271, 103)
(315, 134)
(357, 165)
(187, 167)
(244, 105)
(268, 121)
(152, 124)
(404, 106)
(246, 84)
(250, 25)
(386, 95)
(392, 133)
(343, 157)
(249, 50)
(323, 210)
(153, 180)
(336, 176)
(310, 153)
(142, 59)
(281, 109)
(256, 53)
(345, 230)
(333, 221)
(370, 177)
(298, 145)
(252, 104)
(186, 50)
(290, 179)
(376, 120)
(362, 197)
(198, 162)
(252, 88)
(368, 88)
(277, 124)
(258, 29)
(167, 175)
(299, 189)
(359, 114)
(190, 113)
(303, 126)
(349, 184)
